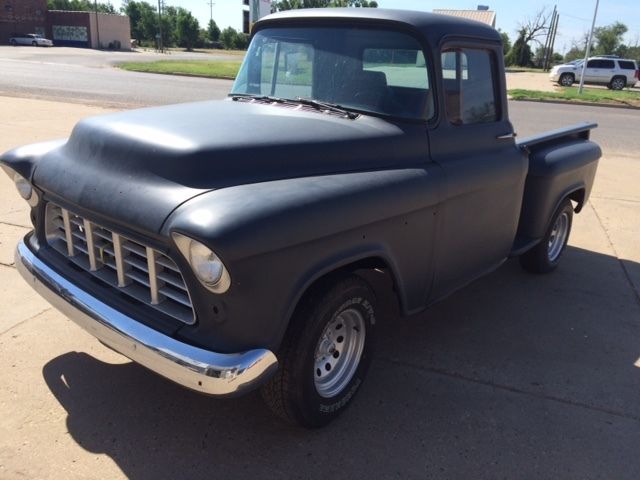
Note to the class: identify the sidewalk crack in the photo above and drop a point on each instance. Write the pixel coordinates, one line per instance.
(21, 322)
(622, 265)
(626, 200)
(14, 225)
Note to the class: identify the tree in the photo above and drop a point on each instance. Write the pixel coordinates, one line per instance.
(187, 29)
(80, 6)
(608, 39)
(535, 27)
(529, 31)
(506, 42)
(520, 54)
(213, 32)
(233, 40)
(143, 18)
(538, 57)
(228, 38)
(575, 53)
(169, 26)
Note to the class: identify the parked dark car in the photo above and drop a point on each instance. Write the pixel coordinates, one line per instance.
(225, 244)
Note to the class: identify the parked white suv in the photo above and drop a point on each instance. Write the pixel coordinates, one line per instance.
(615, 73)
(30, 39)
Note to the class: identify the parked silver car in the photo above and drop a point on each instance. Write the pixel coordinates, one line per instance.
(30, 39)
(615, 73)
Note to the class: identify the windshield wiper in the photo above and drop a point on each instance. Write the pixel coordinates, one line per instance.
(331, 107)
(317, 104)
(260, 98)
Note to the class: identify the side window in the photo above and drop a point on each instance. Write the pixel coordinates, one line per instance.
(469, 86)
(287, 70)
(607, 64)
(593, 64)
(626, 65)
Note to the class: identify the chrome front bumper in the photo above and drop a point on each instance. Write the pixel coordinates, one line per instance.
(207, 372)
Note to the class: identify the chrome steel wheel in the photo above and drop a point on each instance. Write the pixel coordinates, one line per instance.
(558, 237)
(338, 352)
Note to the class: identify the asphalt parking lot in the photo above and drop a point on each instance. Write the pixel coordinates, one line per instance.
(516, 376)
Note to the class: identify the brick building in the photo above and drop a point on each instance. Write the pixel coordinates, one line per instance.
(22, 16)
(75, 29)
(88, 30)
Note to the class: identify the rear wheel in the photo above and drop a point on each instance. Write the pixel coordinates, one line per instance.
(34, 43)
(545, 256)
(13, 42)
(618, 83)
(566, 79)
(325, 354)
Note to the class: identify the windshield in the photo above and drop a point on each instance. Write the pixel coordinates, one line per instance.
(363, 69)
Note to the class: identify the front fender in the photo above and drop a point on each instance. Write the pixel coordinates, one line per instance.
(277, 238)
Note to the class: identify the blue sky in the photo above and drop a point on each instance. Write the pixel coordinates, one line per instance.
(575, 15)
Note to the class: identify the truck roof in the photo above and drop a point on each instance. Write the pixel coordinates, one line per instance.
(431, 25)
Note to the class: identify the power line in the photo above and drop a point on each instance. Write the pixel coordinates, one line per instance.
(577, 18)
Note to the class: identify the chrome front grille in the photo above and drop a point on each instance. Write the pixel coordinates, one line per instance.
(128, 266)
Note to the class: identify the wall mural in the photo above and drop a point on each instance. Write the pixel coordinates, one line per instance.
(70, 34)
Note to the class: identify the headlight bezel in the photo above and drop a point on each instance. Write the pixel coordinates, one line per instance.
(24, 186)
(197, 254)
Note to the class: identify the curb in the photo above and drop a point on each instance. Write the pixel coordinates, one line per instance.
(581, 104)
(178, 74)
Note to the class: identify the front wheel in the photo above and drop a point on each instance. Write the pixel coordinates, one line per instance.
(13, 42)
(325, 354)
(545, 256)
(34, 43)
(566, 79)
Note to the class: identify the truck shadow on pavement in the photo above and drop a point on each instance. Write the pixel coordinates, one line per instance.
(516, 375)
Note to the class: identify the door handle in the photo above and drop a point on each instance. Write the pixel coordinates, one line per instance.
(507, 136)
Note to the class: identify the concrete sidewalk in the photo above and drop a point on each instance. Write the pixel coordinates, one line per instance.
(516, 376)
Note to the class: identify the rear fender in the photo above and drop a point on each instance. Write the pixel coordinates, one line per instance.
(559, 170)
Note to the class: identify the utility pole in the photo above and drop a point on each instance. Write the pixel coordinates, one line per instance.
(211, 3)
(160, 44)
(588, 49)
(95, 6)
(545, 49)
(553, 41)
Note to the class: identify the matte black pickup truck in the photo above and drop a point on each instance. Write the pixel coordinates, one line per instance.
(222, 244)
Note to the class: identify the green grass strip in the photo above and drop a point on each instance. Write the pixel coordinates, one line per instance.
(200, 68)
(622, 97)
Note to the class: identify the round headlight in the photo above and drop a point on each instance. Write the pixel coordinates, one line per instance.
(24, 187)
(206, 265)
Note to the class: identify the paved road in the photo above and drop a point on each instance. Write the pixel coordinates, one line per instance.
(87, 76)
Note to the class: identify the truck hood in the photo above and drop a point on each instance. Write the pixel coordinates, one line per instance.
(136, 167)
